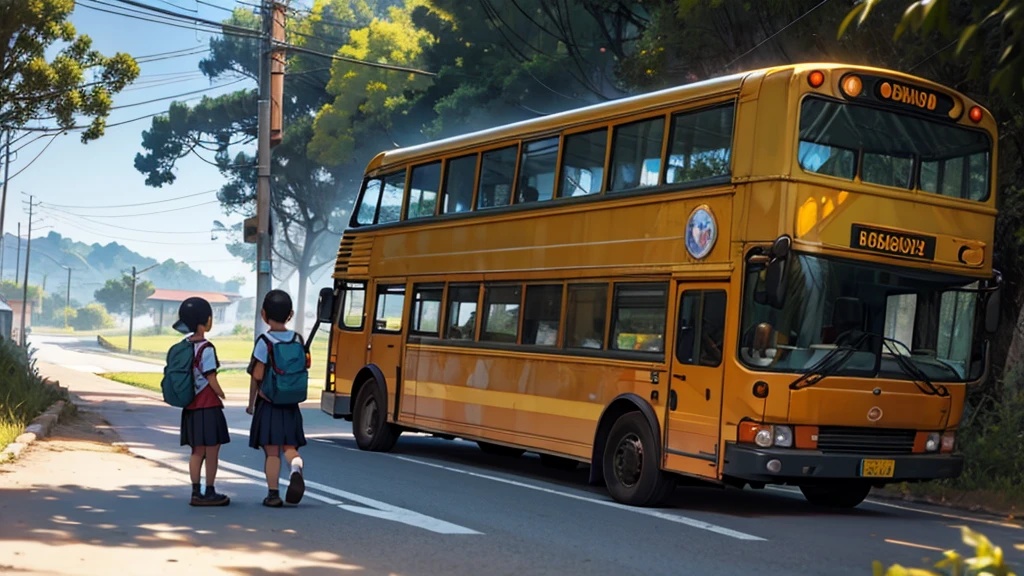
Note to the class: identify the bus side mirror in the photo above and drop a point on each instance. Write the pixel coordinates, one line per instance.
(992, 312)
(325, 306)
(775, 274)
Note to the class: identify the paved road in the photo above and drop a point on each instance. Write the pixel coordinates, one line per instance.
(442, 507)
(82, 353)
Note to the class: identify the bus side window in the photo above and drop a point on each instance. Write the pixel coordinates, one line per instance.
(541, 314)
(636, 154)
(497, 170)
(501, 314)
(586, 315)
(423, 189)
(638, 317)
(390, 302)
(352, 310)
(583, 163)
(391, 198)
(458, 185)
(461, 321)
(537, 171)
(367, 213)
(426, 310)
(700, 145)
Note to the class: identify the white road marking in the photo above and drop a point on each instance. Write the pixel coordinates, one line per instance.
(370, 507)
(919, 510)
(693, 523)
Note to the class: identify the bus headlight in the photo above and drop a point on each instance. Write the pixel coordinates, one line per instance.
(948, 442)
(763, 438)
(933, 442)
(783, 436)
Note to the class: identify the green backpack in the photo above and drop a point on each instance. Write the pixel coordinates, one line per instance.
(179, 382)
(286, 376)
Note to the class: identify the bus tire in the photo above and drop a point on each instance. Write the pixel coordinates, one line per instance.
(370, 423)
(839, 495)
(631, 469)
(499, 450)
(558, 463)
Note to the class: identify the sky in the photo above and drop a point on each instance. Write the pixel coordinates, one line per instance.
(81, 180)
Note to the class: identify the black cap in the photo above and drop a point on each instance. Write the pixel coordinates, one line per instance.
(192, 313)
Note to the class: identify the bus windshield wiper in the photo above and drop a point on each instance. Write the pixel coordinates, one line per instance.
(829, 364)
(921, 380)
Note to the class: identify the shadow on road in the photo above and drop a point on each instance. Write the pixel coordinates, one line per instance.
(729, 501)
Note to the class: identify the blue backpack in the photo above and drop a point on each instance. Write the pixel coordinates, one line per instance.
(179, 383)
(286, 376)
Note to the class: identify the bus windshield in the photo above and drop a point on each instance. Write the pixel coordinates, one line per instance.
(889, 149)
(925, 317)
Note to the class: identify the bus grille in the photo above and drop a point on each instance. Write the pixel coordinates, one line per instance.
(353, 255)
(841, 439)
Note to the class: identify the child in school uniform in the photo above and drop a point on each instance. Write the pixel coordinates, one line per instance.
(276, 428)
(203, 426)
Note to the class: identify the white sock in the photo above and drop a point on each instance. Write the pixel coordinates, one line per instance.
(297, 465)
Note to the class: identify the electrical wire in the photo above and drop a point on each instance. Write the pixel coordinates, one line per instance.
(177, 95)
(110, 236)
(777, 32)
(49, 212)
(137, 204)
(303, 50)
(144, 213)
(32, 161)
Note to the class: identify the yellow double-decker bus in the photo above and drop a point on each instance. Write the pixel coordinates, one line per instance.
(782, 276)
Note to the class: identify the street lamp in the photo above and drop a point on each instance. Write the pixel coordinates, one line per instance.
(131, 318)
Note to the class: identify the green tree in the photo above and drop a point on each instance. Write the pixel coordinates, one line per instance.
(11, 291)
(116, 294)
(310, 200)
(92, 317)
(75, 82)
(53, 310)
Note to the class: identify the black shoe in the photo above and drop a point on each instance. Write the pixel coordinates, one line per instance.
(211, 499)
(273, 501)
(296, 488)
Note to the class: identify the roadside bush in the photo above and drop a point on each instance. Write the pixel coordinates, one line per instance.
(23, 395)
(92, 317)
(243, 330)
(987, 561)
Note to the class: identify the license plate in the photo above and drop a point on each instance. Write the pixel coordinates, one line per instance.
(877, 468)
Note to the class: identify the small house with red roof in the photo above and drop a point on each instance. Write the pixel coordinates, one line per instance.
(165, 303)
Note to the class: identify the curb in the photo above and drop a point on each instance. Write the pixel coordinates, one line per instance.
(41, 426)
(1012, 514)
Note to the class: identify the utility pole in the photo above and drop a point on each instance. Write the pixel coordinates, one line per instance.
(17, 262)
(268, 135)
(28, 260)
(3, 204)
(131, 317)
(67, 300)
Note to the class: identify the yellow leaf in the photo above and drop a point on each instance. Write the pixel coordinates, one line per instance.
(857, 9)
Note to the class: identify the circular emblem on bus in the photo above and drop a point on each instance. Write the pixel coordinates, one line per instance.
(875, 414)
(701, 232)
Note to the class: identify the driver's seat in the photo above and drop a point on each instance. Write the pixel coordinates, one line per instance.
(847, 314)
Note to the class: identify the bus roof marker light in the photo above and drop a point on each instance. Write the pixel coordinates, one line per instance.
(816, 78)
(852, 86)
(975, 114)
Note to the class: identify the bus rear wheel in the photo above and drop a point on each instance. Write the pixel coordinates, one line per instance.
(499, 450)
(631, 470)
(370, 423)
(841, 495)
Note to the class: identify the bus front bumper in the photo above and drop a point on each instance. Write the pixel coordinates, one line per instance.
(755, 464)
(337, 405)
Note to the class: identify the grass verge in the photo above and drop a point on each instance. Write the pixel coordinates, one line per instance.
(230, 349)
(230, 380)
(23, 394)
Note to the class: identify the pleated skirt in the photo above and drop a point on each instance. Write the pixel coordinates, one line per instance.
(204, 427)
(276, 425)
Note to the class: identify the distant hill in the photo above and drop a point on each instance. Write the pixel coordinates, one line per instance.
(93, 264)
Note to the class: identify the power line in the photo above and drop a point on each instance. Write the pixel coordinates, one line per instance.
(183, 20)
(777, 32)
(172, 56)
(154, 20)
(143, 213)
(104, 235)
(301, 49)
(196, 19)
(157, 54)
(177, 95)
(51, 130)
(49, 212)
(108, 206)
(31, 162)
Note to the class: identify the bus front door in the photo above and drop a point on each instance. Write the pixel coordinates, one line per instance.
(695, 388)
(385, 345)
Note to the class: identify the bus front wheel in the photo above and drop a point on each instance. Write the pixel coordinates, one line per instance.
(843, 495)
(370, 423)
(631, 470)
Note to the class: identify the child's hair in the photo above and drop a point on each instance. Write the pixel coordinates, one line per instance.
(278, 306)
(193, 313)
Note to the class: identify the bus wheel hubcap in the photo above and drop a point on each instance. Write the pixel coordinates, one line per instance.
(629, 460)
(369, 417)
